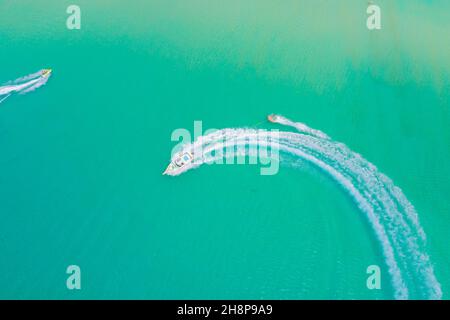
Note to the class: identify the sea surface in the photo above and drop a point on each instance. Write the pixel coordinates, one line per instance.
(82, 157)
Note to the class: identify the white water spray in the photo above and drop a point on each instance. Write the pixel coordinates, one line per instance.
(23, 85)
(300, 127)
(392, 217)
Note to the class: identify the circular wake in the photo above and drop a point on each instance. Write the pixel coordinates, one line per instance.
(392, 217)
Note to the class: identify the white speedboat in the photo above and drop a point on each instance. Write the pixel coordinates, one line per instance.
(179, 161)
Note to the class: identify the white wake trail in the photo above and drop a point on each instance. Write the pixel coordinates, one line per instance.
(392, 217)
(27, 78)
(301, 127)
(39, 83)
(24, 85)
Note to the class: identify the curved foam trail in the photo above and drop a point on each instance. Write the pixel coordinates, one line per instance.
(392, 217)
(301, 127)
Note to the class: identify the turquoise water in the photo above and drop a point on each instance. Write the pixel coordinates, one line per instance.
(82, 157)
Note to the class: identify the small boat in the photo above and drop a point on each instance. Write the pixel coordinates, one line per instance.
(46, 73)
(272, 117)
(181, 160)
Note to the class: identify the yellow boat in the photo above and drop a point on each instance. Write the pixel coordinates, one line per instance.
(46, 72)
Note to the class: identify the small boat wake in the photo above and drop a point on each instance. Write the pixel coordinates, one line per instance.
(392, 217)
(299, 126)
(25, 84)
